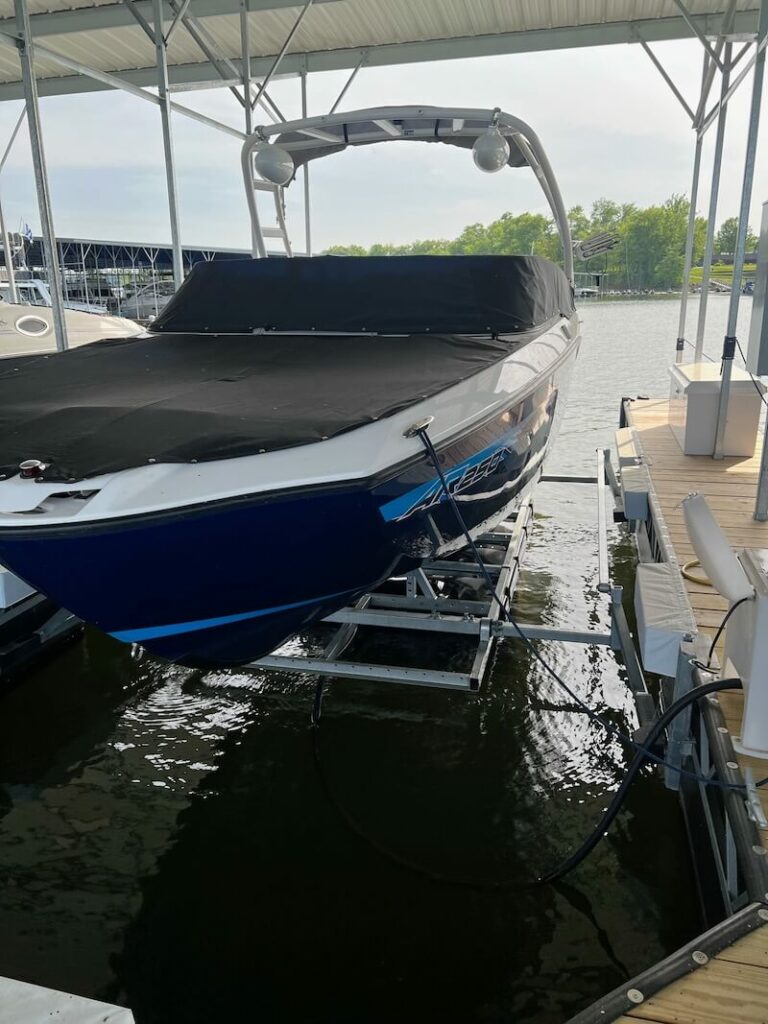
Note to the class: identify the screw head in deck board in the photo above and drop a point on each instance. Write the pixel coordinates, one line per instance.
(763, 914)
(634, 995)
(699, 957)
(732, 764)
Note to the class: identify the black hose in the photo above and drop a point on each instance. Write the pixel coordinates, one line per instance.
(571, 861)
(721, 627)
(637, 763)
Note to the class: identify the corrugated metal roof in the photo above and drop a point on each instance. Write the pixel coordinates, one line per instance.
(335, 33)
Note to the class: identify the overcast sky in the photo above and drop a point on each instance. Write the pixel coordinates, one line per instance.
(608, 121)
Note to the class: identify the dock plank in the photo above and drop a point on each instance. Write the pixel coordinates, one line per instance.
(721, 992)
(752, 949)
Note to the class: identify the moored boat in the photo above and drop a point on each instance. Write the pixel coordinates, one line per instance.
(249, 467)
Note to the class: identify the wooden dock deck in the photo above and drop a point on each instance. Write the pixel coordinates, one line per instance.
(730, 486)
(732, 988)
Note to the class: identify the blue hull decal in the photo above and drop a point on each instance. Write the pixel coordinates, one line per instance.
(458, 479)
(137, 636)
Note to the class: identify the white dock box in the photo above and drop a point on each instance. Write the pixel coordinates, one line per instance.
(693, 403)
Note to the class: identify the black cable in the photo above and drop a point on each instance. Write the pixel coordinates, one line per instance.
(721, 627)
(608, 726)
(758, 389)
(575, 858)
(638, 761)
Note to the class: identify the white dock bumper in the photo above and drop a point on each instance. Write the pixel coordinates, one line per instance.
(664, 616)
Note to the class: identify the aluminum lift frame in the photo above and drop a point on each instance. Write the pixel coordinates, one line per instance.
(423, 608)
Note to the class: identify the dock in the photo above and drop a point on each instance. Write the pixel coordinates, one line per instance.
(729, 485)
(721, 976)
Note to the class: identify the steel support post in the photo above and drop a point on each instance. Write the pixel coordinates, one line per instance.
(283, 49)
(729, 343)
(349, 82)
(170, 166)
(307, 211)
(761, 502)
(689, 239)
(712, 214)
(245, 46)
(26, 58)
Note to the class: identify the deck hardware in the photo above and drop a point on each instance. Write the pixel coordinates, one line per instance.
(634, 995)
(415, 428)
(31, 468)
(699, 957)
(759, 850)
(762, 913)
(754, 807)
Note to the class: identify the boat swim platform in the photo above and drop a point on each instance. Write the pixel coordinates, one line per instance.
(720, 977)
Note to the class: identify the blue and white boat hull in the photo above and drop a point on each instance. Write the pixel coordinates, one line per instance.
(224, 581)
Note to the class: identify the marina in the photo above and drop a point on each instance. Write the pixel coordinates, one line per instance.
(383, 634)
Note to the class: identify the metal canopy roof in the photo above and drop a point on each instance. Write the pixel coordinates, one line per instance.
(335, 34)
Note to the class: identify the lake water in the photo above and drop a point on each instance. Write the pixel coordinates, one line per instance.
(166, 841)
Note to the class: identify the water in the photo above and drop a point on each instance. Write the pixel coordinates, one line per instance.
(166, 841)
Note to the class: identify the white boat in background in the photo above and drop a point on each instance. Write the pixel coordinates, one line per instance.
(33, 291)
(28, 329)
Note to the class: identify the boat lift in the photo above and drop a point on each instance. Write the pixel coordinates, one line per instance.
(418, 602)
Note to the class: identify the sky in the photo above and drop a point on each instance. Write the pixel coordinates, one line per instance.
(608, 121)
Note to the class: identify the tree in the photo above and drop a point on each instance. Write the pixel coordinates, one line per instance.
(649, 254)
(725, 239)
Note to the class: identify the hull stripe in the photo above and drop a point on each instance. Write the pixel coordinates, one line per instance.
(399, 507)
(155, 632)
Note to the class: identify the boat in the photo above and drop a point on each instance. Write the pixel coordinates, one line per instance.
(35, 292)
(28, 328)
(254, 462)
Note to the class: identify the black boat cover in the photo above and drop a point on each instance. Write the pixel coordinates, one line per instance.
(184, 397)
(381, 294)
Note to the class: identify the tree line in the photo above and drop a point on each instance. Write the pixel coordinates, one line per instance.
(649, 252)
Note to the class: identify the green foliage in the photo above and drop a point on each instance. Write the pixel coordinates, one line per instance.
(649, 253)
(725, 239)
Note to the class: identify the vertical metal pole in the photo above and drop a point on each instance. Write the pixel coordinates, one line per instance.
(680, 345)
(12, 293)
(245, 45)
(712, 214)
(307, 224)
(761, 503)
(26, 58)
(729, 343)
(170, 166)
